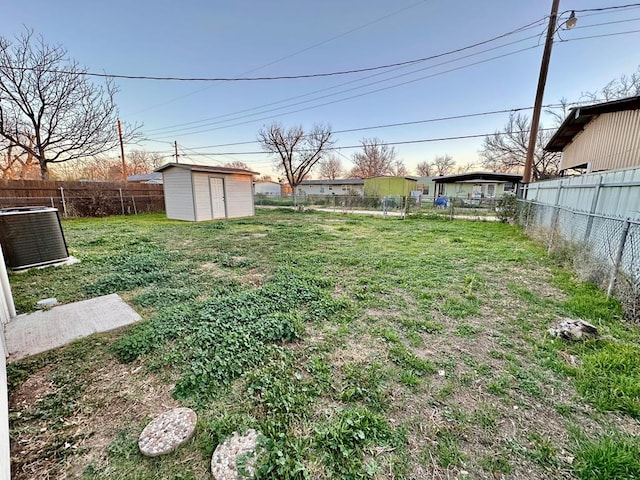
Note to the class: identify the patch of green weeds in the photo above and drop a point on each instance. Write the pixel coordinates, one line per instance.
(215, 341)
(460, 307)
(280, 391)
(609, 456)
(542, 450)
(364, 383)
(425, 326)
(609, 378)
(496, 463)
(467, 331)
(485, 416)
(407, 360)
(500, 386)
(448, 450)
(344, 438)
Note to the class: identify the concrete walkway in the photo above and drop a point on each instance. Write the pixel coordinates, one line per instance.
(33, 333)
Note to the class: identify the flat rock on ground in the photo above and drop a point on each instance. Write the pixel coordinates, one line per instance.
(167, 432)
(237, 454)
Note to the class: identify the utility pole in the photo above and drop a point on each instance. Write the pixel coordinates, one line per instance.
(175, 146)
(542, 80)
(124, 164)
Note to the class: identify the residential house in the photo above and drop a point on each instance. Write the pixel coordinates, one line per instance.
(599, 137)
(267, 189)
(153, 178)
(342, 187)
(476, 185)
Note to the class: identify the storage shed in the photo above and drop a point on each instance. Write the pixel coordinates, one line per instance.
(198, 192)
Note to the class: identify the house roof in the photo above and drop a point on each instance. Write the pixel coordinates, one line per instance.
(478, 176)
(579, 117)
(146, 177)
(344, 181)
(406, 177)
(206, 168)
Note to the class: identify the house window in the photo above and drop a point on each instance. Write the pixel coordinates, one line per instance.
(330, 188)
(425, 189)
(321, 189)
(508, 187)
(491, 190)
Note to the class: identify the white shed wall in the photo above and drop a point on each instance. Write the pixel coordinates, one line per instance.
(202, 196)
(178, 198)
(239, 195)
(609, 142)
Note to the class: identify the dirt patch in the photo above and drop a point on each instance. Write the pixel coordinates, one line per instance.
(32, 390)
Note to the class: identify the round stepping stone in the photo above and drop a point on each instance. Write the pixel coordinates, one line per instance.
(224, 462)
(167, 432)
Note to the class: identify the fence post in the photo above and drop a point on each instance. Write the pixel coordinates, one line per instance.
(618, 259)
(121, 201)
(133, 200)
(64, 203)
(555, 218)
(53, 205)
(594, 205)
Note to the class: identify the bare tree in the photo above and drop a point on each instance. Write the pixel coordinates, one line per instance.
(237, 164)
(141, 161)
(465, 168)
(331, 168)
(16, 164)
(297, 153)
(624, 86)
(443, 164)
(48, 107)
(264, 178)
(376, 159)
(425, 169)
(506, 150)
(399, 169)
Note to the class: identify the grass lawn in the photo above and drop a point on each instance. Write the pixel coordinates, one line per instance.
(361, 348)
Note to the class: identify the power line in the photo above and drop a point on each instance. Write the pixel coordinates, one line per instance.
(402, 124)
(297, 52)
(207, 123)
(405, 142)
(601, 9)
(282, 77)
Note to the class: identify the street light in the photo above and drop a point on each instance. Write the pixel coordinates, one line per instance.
(571, 21)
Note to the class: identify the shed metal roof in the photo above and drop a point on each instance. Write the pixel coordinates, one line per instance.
(579, 117)
(206, 169)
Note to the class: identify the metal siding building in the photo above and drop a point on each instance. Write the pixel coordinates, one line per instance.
(197, 193)
(605, 136)
(385, 186)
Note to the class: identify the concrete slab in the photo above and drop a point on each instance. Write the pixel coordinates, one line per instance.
(37, 332)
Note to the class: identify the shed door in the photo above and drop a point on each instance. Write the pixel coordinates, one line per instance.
(216, 187)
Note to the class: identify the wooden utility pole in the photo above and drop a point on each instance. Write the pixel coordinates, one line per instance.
(175, 146)
(542, 80)
(124, 163)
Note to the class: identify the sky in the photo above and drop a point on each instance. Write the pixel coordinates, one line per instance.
(252, 38)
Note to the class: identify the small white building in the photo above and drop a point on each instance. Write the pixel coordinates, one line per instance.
(267, 188)
(197, 192)
(346, 186)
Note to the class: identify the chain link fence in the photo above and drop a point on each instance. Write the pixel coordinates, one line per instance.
(604, 249)
(391, 204)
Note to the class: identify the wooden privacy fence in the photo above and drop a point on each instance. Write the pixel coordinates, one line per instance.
(83, 199)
